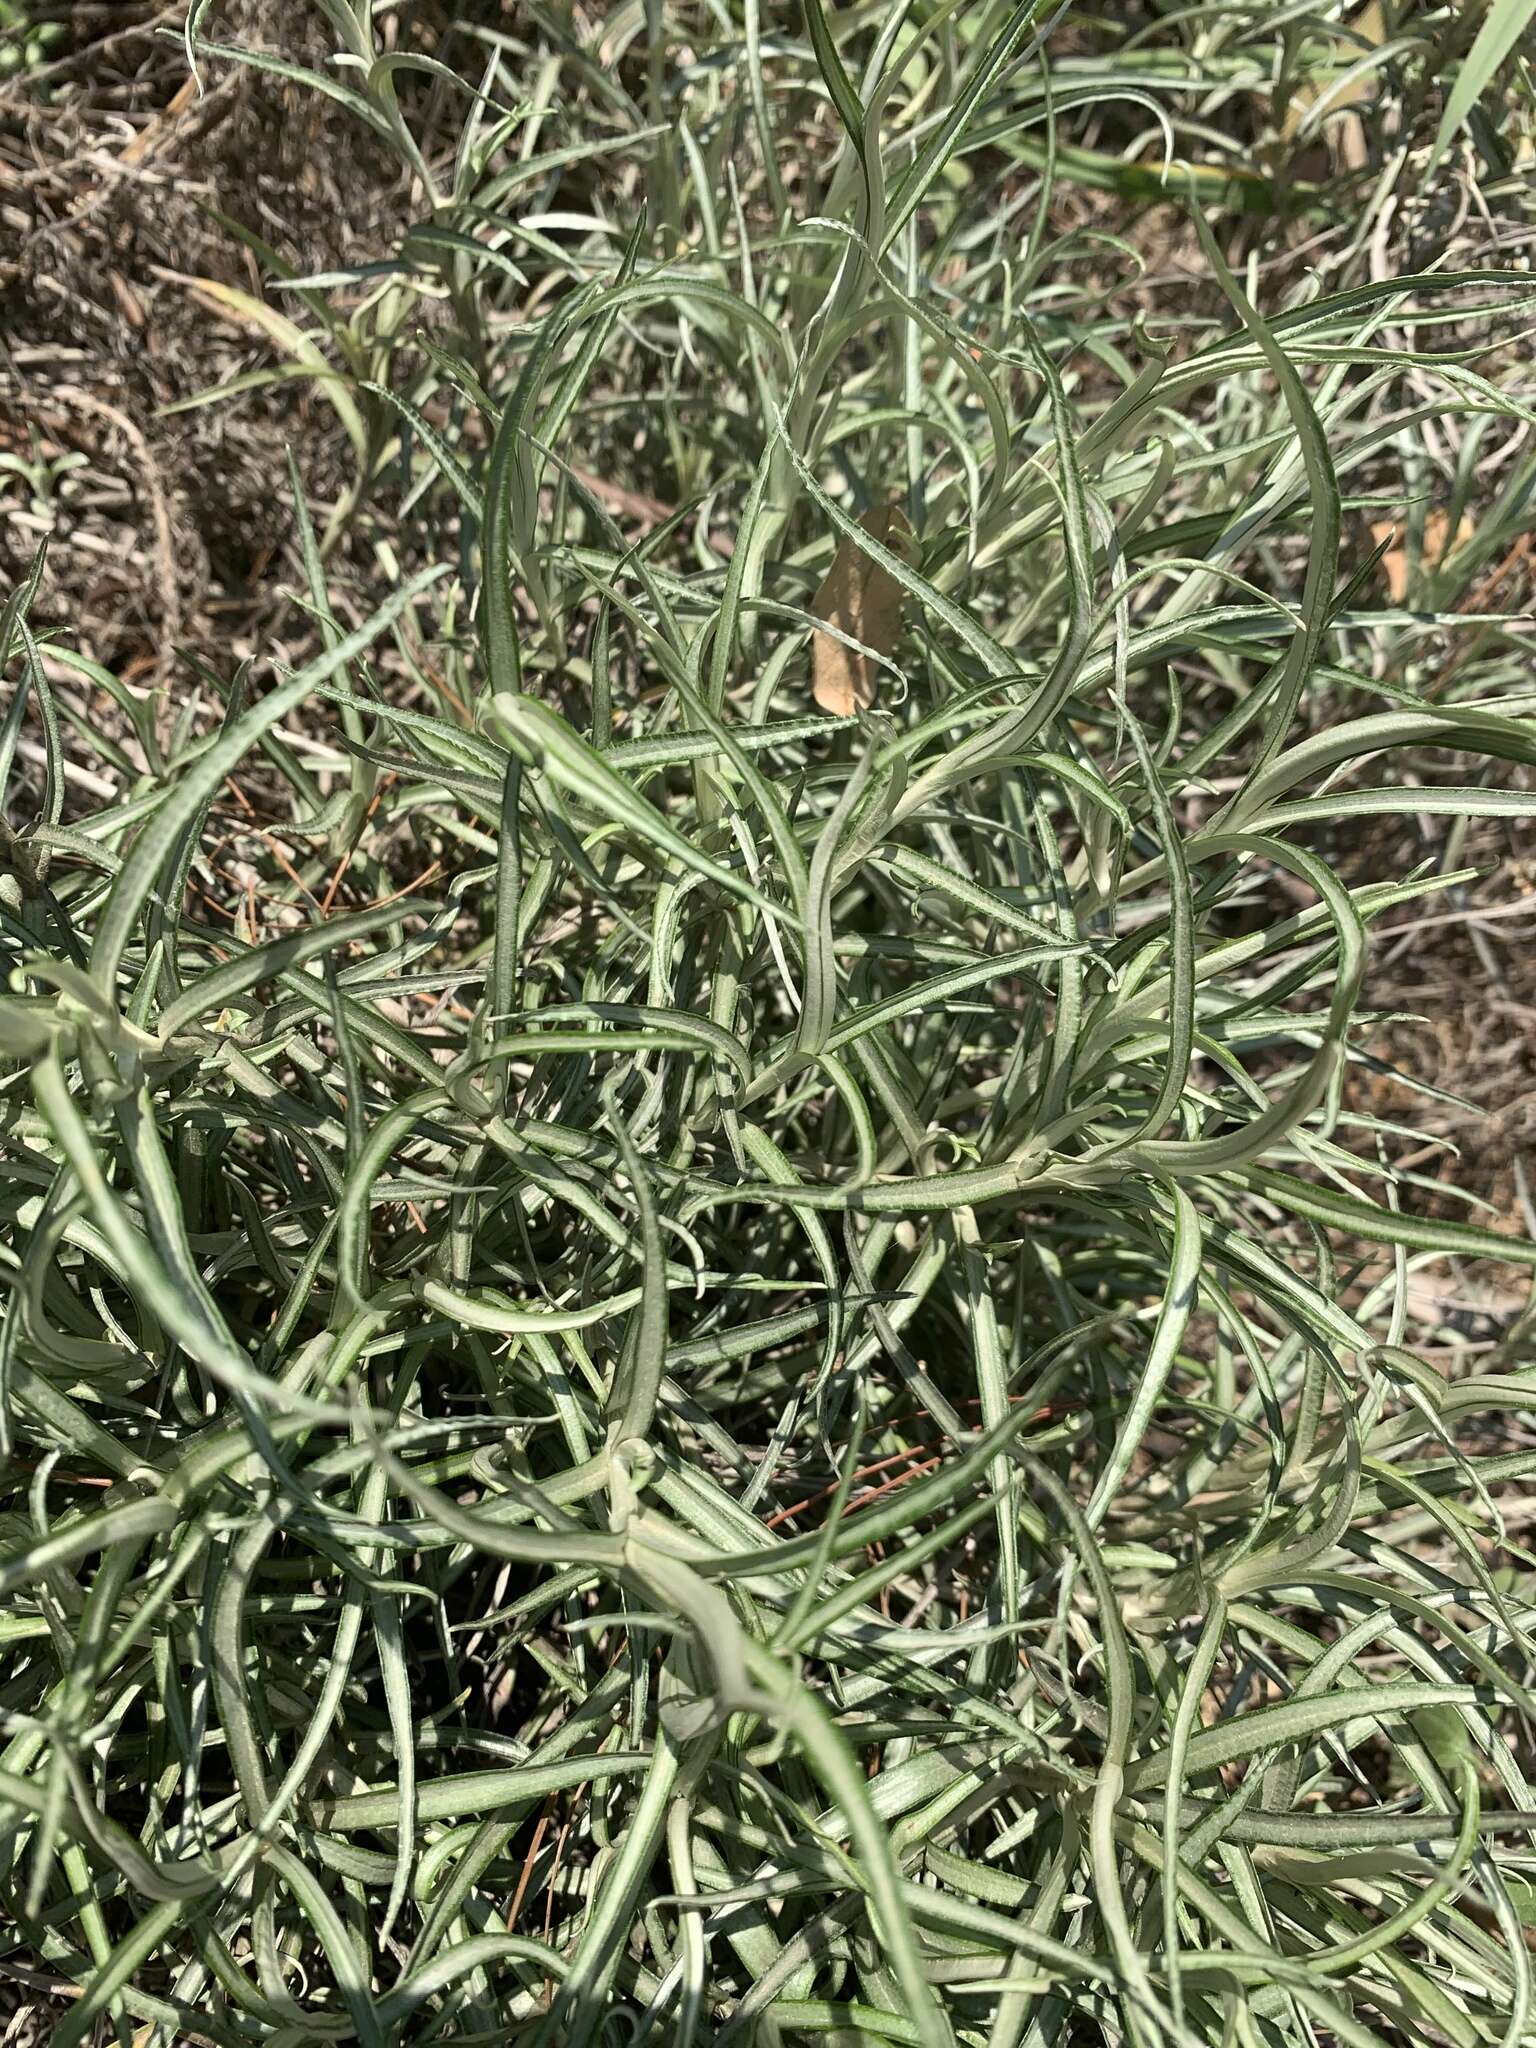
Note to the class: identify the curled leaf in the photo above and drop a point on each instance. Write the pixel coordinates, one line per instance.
(862, 601)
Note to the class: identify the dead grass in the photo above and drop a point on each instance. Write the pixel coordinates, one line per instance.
(164, 531)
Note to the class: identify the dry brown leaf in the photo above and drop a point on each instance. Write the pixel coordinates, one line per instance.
(1345, 140)
(1436, 546)
(863, 600)
(1369, 27)
(156, 133)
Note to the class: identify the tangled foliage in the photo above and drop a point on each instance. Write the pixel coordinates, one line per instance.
(689, 1372)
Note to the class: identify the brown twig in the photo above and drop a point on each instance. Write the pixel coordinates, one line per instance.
(527, 1870)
